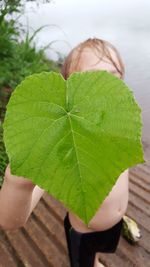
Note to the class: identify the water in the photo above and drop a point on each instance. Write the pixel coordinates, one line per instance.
(125, 24)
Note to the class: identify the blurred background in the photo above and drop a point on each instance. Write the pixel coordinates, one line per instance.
(37, 35)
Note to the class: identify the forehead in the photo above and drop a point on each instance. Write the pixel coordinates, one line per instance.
(97, 59)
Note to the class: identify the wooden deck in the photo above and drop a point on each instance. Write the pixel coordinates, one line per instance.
(42, 242)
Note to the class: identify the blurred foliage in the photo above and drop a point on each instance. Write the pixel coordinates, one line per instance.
(18, 59)
(3, 155)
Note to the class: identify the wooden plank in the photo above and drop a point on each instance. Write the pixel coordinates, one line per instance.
(51, 226)
(24, 249)
(137, 215)
(45, 244)
(114, 260)
(139, 192)
(56, 207)
(140, 173)
(137, 255)
(10, 249)
(139, 182)
(139, 203)
(145, 239)
(6, 258)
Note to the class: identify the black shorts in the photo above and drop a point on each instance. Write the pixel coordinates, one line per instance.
(84, 245)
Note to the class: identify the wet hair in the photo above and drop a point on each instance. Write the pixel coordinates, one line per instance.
(101, 48)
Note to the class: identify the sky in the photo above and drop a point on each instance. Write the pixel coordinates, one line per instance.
(72, 21)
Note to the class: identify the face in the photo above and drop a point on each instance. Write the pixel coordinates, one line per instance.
(89, 61)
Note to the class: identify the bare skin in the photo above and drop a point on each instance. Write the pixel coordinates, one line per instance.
(19, 196)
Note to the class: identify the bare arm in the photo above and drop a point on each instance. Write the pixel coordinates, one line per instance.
(18, 197)
(36, 195)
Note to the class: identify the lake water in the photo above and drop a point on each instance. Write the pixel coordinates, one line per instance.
(126, 24)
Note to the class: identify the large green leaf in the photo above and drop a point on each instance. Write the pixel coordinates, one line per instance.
(73, 138)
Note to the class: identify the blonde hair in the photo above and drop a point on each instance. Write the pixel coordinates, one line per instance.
(100, 47)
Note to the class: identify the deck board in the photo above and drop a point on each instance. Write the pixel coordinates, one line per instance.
(42, 242)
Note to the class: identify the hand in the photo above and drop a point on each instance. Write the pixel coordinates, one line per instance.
(19, 180)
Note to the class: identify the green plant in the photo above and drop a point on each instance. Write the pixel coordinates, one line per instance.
(3, 156)
(26, 60)
(73, 138)
(18, 59)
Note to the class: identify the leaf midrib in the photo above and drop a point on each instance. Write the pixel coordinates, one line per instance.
(78, 163)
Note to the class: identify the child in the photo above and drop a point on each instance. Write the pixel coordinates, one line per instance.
(18, 197)
(103, 231)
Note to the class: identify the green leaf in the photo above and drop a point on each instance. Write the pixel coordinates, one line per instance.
(73, 138)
